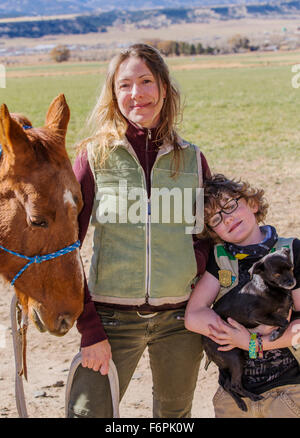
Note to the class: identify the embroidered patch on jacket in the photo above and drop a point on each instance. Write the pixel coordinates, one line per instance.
(225, 277)
(241, 256)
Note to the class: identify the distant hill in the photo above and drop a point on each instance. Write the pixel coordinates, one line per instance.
(151, 18)
(16, 8)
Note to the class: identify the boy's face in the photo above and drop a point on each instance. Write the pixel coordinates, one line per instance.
(239, 226)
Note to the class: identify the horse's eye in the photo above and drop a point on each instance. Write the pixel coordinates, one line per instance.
(39, 223)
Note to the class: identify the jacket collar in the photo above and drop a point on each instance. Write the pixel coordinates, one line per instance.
(134, 130)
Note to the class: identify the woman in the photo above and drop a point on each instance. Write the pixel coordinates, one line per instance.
(142, 270)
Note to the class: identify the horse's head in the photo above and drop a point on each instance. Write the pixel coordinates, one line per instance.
(40, 200)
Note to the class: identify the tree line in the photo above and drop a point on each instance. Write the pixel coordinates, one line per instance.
(178, 48)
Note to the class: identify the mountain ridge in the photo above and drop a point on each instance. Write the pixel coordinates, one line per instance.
(146, 18)
(19, 8)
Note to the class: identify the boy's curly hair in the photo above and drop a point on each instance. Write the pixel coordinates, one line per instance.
(214, 189)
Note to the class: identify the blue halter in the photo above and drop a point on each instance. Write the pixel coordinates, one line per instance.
(40, 258)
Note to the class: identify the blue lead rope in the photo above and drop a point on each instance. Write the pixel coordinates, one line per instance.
(40, 258)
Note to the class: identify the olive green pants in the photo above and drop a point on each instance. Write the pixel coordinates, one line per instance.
(280, 402)
(174, 352)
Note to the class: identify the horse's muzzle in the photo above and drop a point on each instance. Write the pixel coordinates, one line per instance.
(62, 324)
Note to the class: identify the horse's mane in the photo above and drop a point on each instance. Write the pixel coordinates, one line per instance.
(45, 144)
(44, 141)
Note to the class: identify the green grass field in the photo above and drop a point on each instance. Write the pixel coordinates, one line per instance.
(245, 120)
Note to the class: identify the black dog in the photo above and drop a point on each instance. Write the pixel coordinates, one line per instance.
(266, 299)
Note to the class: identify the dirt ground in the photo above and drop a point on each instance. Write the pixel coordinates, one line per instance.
(49, 359)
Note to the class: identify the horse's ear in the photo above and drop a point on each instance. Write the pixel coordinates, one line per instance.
(58, 115)
(13, 139)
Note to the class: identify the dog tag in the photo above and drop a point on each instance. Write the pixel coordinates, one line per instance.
(225, 277)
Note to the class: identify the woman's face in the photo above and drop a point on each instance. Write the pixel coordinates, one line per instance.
(137, 93)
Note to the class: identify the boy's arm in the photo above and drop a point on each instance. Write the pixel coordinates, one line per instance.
(199, 315)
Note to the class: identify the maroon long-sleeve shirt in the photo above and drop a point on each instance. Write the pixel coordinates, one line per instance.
(89, 323)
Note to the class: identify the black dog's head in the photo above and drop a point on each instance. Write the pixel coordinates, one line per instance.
(276, 269)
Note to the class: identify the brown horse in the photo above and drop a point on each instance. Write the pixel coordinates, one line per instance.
(40, 200)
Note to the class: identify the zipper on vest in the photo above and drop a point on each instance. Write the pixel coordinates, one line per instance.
(147, 148)
(148, 221)
(148, 231)
(148, 251)
(148, 225)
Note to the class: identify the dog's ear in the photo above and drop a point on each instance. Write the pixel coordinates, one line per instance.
(257, 268)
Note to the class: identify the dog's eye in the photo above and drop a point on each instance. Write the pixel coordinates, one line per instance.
(276, 275)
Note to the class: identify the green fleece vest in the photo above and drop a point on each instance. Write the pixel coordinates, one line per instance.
(142, 253)
(229, 272)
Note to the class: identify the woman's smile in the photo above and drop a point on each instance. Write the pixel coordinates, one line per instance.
(140, 105)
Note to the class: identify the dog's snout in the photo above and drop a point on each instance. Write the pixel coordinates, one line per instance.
(289, 283)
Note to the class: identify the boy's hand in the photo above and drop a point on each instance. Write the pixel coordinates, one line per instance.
(231, 335)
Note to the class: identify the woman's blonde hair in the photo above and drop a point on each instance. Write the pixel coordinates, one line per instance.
(108, 124)
(216, 187)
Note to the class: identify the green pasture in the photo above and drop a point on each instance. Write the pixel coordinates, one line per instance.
(32, 96)
(231, 113)
(245, 112)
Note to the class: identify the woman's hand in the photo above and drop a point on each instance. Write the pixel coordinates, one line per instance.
(97, 357)
(231, 335)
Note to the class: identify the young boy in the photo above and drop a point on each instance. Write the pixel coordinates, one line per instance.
(232, 213)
